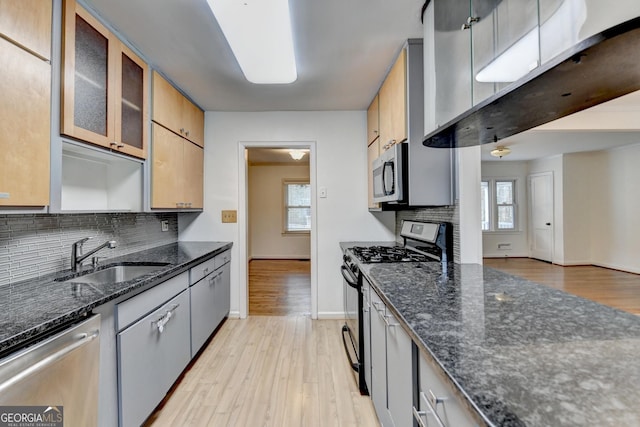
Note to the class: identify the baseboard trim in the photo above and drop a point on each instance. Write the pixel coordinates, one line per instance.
(618, 268)
(234, 314)
(503, 255)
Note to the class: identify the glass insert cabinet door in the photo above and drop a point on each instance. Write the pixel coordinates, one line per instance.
(105, 86)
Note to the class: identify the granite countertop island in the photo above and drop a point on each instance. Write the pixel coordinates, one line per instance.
(32, 308)
(522, 354)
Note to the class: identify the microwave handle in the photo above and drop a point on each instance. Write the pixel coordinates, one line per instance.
(388, 190)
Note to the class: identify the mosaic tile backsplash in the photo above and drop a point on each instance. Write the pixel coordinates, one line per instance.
(39, 244)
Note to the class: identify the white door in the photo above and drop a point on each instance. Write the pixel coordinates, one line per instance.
(541, 203)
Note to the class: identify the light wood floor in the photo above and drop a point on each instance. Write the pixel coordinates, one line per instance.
(269, 371)
(279, 287)
(609, 287)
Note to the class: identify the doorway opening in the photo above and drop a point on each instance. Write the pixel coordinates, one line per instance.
(279, 230)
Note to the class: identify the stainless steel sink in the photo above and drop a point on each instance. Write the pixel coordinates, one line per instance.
(116, 274)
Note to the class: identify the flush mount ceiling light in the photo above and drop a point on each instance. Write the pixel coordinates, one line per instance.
(500, 151)
(297, 154)
(259, 34)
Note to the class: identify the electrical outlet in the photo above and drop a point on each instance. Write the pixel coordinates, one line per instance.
(165, 225)
(229, 216)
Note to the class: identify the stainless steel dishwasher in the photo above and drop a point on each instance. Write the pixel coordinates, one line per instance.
(58, 374)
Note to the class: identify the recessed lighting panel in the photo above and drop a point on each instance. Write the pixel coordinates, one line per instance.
(259, 34)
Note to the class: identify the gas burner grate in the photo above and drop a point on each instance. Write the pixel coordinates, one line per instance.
(379, 254)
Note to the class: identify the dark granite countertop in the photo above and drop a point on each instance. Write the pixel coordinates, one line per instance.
(523, 354)
(33, 307)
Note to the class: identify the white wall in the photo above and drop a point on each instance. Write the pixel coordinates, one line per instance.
(615, 208)
(266, 207)
(554, 165)
(341, 155)
(578, 190)
(517, 239)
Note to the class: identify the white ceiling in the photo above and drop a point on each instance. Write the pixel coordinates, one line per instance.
(343, 47)
(605, 126)
(274, 156)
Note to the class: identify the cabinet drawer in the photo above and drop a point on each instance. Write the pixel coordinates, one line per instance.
(199, 271)
(132, 309)
(222, 259)
(437, 398)
(150, 360)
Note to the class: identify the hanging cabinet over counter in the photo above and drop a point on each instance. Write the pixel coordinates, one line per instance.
(105, 86)
(175, 112)
(25, 104)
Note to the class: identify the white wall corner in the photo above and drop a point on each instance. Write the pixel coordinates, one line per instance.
(469, 177)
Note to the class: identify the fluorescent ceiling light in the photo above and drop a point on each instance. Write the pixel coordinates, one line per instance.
(559, 32)
(259, 34)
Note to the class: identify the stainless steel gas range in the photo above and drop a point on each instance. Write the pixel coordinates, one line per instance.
(422, 242)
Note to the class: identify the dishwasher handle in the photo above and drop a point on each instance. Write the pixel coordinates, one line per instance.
(79, 340)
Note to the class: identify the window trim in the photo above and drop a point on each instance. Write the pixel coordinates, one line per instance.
(493, 205)
(285, 206)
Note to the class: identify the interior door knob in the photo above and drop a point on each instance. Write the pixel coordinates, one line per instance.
(548, 223)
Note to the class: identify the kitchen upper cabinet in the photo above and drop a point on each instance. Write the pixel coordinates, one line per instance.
(25, 106)
(28, 24)
(175, 112)
(393, 103)
(177, 171)
(373, 120)
(105, 86)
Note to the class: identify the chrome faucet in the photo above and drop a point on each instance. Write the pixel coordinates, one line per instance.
(77, 257)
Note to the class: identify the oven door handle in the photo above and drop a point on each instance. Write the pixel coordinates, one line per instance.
(348, 277)
(388, 190)
(347, 332)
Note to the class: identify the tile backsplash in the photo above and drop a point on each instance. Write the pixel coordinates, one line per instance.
(38, 244)
(441, 214)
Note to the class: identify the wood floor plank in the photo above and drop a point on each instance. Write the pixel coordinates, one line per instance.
(269, 371)
(614, 288)
(279, 287)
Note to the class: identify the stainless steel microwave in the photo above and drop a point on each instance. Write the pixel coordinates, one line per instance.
(389, 175)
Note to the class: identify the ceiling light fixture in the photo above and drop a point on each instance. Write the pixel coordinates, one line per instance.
(297, 154)
(500, 151)
(260, 36)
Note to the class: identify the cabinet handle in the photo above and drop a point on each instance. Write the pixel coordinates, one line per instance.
(386, 321)
(205, 271)
(181, 131)
(470, 21)
(180, 205)
(417, 415)
(187, 133)
(115, 144)
(432, 409)
(164, 319)
(188, 204)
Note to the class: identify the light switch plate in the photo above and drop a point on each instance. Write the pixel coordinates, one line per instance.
(229, 216)
(164, 225)
(322, 192)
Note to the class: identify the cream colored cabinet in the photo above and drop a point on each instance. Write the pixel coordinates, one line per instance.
(105, 86)
(25, 104)
(177, 171)
(393, 103)
(28, 24)
(373, 121)
(175, 112)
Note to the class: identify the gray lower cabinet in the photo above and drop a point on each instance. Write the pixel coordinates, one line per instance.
(210, 299)
(366, 325)
(438, 405)
(379, 361)
(391, 367)
(152, 351)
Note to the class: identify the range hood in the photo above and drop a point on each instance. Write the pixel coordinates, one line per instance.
(598, 69)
